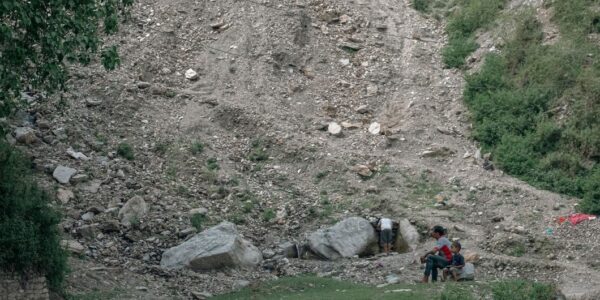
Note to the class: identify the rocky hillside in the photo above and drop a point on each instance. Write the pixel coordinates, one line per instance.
(282, 117)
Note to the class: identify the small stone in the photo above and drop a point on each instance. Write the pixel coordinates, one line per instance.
(133, 210)
(497, 219)
(372, 189)
(372, 90)
(392, 279)
(344, 61)
(43, 124)
(143, 85)
(64, 195)
(76, 155)
(240, 284)
(184, 233)
(92, 187)
(268, 253)
(25, 135)
(334, 129)
(92, 102)
(363, 170)
(201, 295)
(363, 109)
(79, 178)
(459, 228)
(199, 210)
(350, 46)
(375, 128)
(88, 216)
(191, 75)
(141, 288)
(471, 256)
(63, 174)
(348, 125)
(73, 246)
(110, 226)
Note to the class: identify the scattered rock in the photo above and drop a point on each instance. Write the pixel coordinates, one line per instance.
(63, 174)
(363, 109)
(215, 248)
(349, 237)
(199, 210)
(363, 170)
(240, 284)
(76, 155)
(437, 152)
(73, 246)
(201, 295)
(497, 219)
(92, 187)
(375, 128)
(191, 75)
(64, 195)
(348, 125)
(79, 178)
(25, 135)
(110, 226)
(92, 103)
(268, 253)
(392, 279)
(88, 216)
(143, 85)
(334, 129)
(289, 250)
(133, 210)
(471, 256)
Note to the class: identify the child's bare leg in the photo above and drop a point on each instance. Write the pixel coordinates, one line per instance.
(444, 274)
(454, 275)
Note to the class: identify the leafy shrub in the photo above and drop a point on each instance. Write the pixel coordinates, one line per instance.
(126, 151)
(197, 148)
(268, 215)
(258, 153)
(212, 164)
(522, 290)
(29, 235)
(421, 5)
(462, 26)
(197, 220)
(535, 107)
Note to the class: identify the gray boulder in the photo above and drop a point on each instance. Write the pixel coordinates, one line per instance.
(63, 174)
(215, 248)
(133, 210)
(347, 238)
(25, 135)
(410, 235)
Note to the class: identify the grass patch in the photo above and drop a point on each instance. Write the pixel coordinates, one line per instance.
(197, 220)
(421, 5)
(258, 151)
(196, 148)
(472, 15)
(536, 106)
(126, 151)
(268, 215)
(212, 164)
(310, 287)
(522, 290)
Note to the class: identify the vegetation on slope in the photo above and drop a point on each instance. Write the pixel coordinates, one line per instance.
(29, 237)
(536, 107)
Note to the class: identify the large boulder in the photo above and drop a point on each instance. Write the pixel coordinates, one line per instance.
(347, 238)
(215, 248)
(410, 235)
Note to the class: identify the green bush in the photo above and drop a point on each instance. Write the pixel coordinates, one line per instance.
(197, 148)
(126, 151)
(535, 107)
(29, 235)
(421, 5)
(522, 290)
(461, 28)
(212, 164)
(197, 220)
(258, 153)
(268, 215)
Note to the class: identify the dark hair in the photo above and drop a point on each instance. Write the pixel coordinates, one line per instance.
(457, 245)
(439, 229)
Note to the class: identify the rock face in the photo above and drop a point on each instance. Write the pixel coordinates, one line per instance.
(410, 235)
(215, 248)
(347, 238)
(133, 210)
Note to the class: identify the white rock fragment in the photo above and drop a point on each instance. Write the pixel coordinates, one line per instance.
(191, 74)
(375, 128)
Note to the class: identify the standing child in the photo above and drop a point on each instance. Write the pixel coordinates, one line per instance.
(458, 262)
(385, 225)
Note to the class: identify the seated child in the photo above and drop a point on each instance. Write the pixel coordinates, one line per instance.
(458, 262)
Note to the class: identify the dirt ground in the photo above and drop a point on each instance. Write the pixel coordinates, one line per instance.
(270, 77)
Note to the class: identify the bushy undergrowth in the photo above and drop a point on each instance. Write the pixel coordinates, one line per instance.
(29, 236)
(536, 107)
(472, 15)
